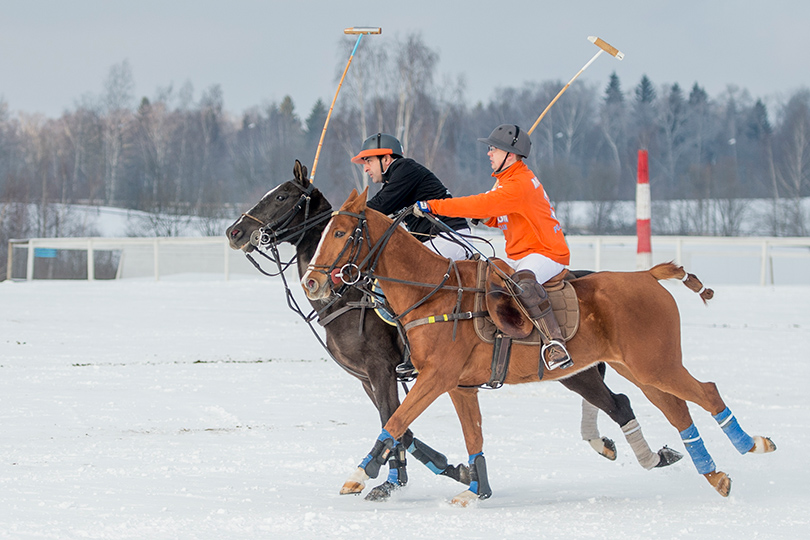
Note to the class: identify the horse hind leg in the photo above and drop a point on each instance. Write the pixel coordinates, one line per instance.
(677, 413)
(596, 395)
(743, 442)
(589, 429)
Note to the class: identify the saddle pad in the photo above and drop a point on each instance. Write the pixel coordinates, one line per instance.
(563, 302)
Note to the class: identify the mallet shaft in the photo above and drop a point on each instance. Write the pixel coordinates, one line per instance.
(603, 46)
(360, 31)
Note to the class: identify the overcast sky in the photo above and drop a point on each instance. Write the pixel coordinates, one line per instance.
(54, 52)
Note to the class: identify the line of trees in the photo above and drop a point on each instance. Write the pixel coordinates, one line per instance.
(174, 154)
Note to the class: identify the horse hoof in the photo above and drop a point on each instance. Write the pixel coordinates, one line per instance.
(762, 445)
(356, 483)
(382, 492)
(668, 456)
(604, 447)
(464, 499)
(459, 473)
(720, 481)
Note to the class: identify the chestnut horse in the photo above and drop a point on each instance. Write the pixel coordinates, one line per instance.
(296, 212)
(627, 319)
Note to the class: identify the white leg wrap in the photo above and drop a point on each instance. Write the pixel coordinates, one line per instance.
(589, 428)
(646, 458)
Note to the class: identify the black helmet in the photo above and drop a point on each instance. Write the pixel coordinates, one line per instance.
(510, 138)
(380, 144)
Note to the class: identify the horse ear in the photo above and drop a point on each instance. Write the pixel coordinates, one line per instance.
(300, 174)
(350, 199)
(356, 202)
(364, 196)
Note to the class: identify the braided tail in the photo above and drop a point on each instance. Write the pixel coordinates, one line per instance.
(671, 270)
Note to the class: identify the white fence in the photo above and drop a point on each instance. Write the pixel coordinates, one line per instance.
(716, 260)
(125, 257)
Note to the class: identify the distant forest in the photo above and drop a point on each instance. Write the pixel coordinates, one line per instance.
(171, 154)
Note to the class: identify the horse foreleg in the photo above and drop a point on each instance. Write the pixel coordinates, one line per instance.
(427, 388)
(436, 461)
(381, 388)
(465, 401)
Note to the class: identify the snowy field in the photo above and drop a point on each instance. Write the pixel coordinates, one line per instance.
(195, 408)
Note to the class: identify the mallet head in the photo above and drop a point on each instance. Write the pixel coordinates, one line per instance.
(362, 30)
(607, 47)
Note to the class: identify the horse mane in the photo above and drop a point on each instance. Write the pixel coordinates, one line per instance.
(670, 270)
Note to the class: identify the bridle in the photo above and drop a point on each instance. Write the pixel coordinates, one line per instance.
(272, 233)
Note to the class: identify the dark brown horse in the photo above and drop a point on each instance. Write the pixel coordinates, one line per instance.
(627, 319)
(295, 212)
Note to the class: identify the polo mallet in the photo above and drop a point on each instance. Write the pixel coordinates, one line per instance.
(603, 47)
(360, 31)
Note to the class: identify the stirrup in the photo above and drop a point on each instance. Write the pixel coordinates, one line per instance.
(563, 363)
(405, 371)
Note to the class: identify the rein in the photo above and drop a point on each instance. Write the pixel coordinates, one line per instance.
(355, 271)
(271, 234)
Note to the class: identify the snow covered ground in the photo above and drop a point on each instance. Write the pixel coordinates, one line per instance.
(196, 408)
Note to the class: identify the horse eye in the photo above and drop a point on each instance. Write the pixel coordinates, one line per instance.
(280, 197)
(340, 234)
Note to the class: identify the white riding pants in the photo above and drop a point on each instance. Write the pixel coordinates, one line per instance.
(543, 267)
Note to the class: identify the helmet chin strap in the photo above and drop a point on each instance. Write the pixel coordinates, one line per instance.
(502, 163)
(381, 165)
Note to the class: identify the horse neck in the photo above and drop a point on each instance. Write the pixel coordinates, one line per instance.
(406, 258)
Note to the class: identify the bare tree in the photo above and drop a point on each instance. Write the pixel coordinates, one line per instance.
(793, 165)
(117, 100)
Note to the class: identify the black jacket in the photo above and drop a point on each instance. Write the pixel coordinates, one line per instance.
(405, 183)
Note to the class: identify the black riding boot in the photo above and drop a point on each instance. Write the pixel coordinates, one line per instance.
(535, 299)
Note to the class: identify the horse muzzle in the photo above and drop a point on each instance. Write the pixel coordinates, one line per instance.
(315, 285)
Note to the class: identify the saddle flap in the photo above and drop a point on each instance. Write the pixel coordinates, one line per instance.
(502, 305)
(564, 302)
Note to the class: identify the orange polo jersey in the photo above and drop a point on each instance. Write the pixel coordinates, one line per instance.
(519, 207)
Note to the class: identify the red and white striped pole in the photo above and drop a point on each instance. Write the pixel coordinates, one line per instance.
(643, 214)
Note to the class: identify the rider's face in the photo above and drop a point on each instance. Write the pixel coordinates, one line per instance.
(496, 156)
(373, 168)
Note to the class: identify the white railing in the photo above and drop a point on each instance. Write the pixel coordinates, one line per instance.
(728, 260)
(142, 257)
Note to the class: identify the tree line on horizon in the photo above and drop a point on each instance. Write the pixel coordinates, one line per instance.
(174, 155)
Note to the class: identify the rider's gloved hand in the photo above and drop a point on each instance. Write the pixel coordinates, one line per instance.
(421, 208)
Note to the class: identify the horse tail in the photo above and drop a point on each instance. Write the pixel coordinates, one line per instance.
(671, 270)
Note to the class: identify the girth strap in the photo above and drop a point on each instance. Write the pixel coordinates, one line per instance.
(447, 317)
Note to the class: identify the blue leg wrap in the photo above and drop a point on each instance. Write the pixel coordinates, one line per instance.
(378, 455)
(432, 459)
(694, 445)
(479, 481)
(741, 440)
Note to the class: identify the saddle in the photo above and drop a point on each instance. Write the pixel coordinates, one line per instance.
(507, 315)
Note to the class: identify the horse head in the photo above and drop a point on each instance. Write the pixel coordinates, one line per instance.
(276, 212)
(340, 248)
